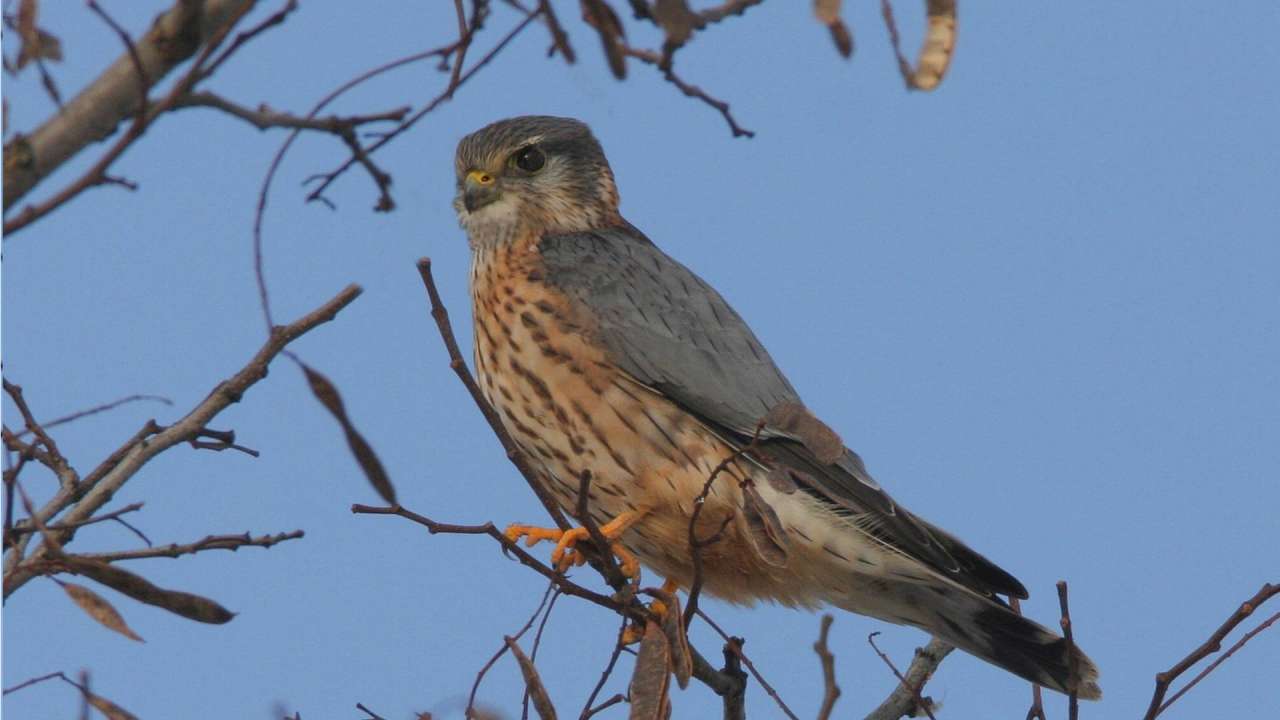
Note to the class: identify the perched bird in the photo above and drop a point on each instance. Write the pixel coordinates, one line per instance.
(602, 354)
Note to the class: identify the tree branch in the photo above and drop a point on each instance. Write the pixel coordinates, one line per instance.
(905, 700)
(210, 542)
(82, 501)
(1210, 646)
(114, 96)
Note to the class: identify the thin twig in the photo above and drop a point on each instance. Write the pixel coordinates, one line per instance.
(1221, 659)
(914, 690)
(587, 709)
(88, 497)
(1073, 700)
(510, 547)
(651, 57)
(326, 179)
(459, 367)
(101, 408)
(97, 173)
(475, 687)
(1036, 711)
(210, 542)
(1210, 646)
(264, 118)
(750, 666)
(696, 544)
(533, 652)
(830, 690)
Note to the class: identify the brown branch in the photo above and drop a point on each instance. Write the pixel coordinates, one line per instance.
(111, 98)
(696, 544)
(604, 561)
(559, 38)
(1073, 701)
(1221, 659)
(264, 191)
(90, 495)
(209, 542)
(730, 683)
(502, 650)
(265, 118)
(650, 57)
(34, 681)
(830, 690)
(242, 38)
(726, 9)
(51, 457)
(100, 409)
(563, 584)
(327, 179)
(1036, 711)
(604, 705)
(587, 709)
(459, 367)
(113, 515)
(737, 645)
(906, 700)
(1210, 646)
(533, 653)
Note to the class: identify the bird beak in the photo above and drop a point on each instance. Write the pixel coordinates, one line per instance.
(479, 189)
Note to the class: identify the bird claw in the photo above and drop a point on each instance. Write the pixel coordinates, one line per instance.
(635, 632)
(566, 554)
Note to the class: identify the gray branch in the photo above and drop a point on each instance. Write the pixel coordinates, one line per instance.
(115, 95)
(902, 701)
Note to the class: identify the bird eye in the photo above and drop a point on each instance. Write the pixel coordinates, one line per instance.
(530, 159)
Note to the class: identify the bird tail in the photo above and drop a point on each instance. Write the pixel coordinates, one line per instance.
(987, 629)
(1023, 647)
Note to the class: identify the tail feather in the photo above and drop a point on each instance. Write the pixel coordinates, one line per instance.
(982, 627)
(1031, 651)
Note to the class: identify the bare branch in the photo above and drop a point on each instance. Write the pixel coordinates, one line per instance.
(736, 644)
(328, 178)
(84, 500)
(905, 700)
(1036, 711)
(650, 57)
(830, 690)
(265, 118)
(174, 37)
(588, 709)
(210, 542)
(1210, 646)
(511, 548)
(475, 687)
(1073, 701)
(100, 409)
(459, 366)
(727, 9)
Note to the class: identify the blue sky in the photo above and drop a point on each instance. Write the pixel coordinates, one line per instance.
(1042, 302)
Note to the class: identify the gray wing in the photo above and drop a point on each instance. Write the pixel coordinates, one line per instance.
(675, 334)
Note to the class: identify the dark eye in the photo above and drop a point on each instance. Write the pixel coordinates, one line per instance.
(530, 159)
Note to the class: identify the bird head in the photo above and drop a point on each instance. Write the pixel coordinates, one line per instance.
(545, 174)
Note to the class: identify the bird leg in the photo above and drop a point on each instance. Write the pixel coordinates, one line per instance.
(566, 555)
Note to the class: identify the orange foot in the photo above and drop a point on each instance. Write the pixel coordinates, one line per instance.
(635, 633)
(566, 555)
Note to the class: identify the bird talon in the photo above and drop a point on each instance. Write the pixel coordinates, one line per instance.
(635, 632)
(566, 555)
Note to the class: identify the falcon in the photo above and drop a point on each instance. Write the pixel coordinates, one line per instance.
(602, 354)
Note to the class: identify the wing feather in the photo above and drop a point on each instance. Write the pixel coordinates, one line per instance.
(674, 334)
